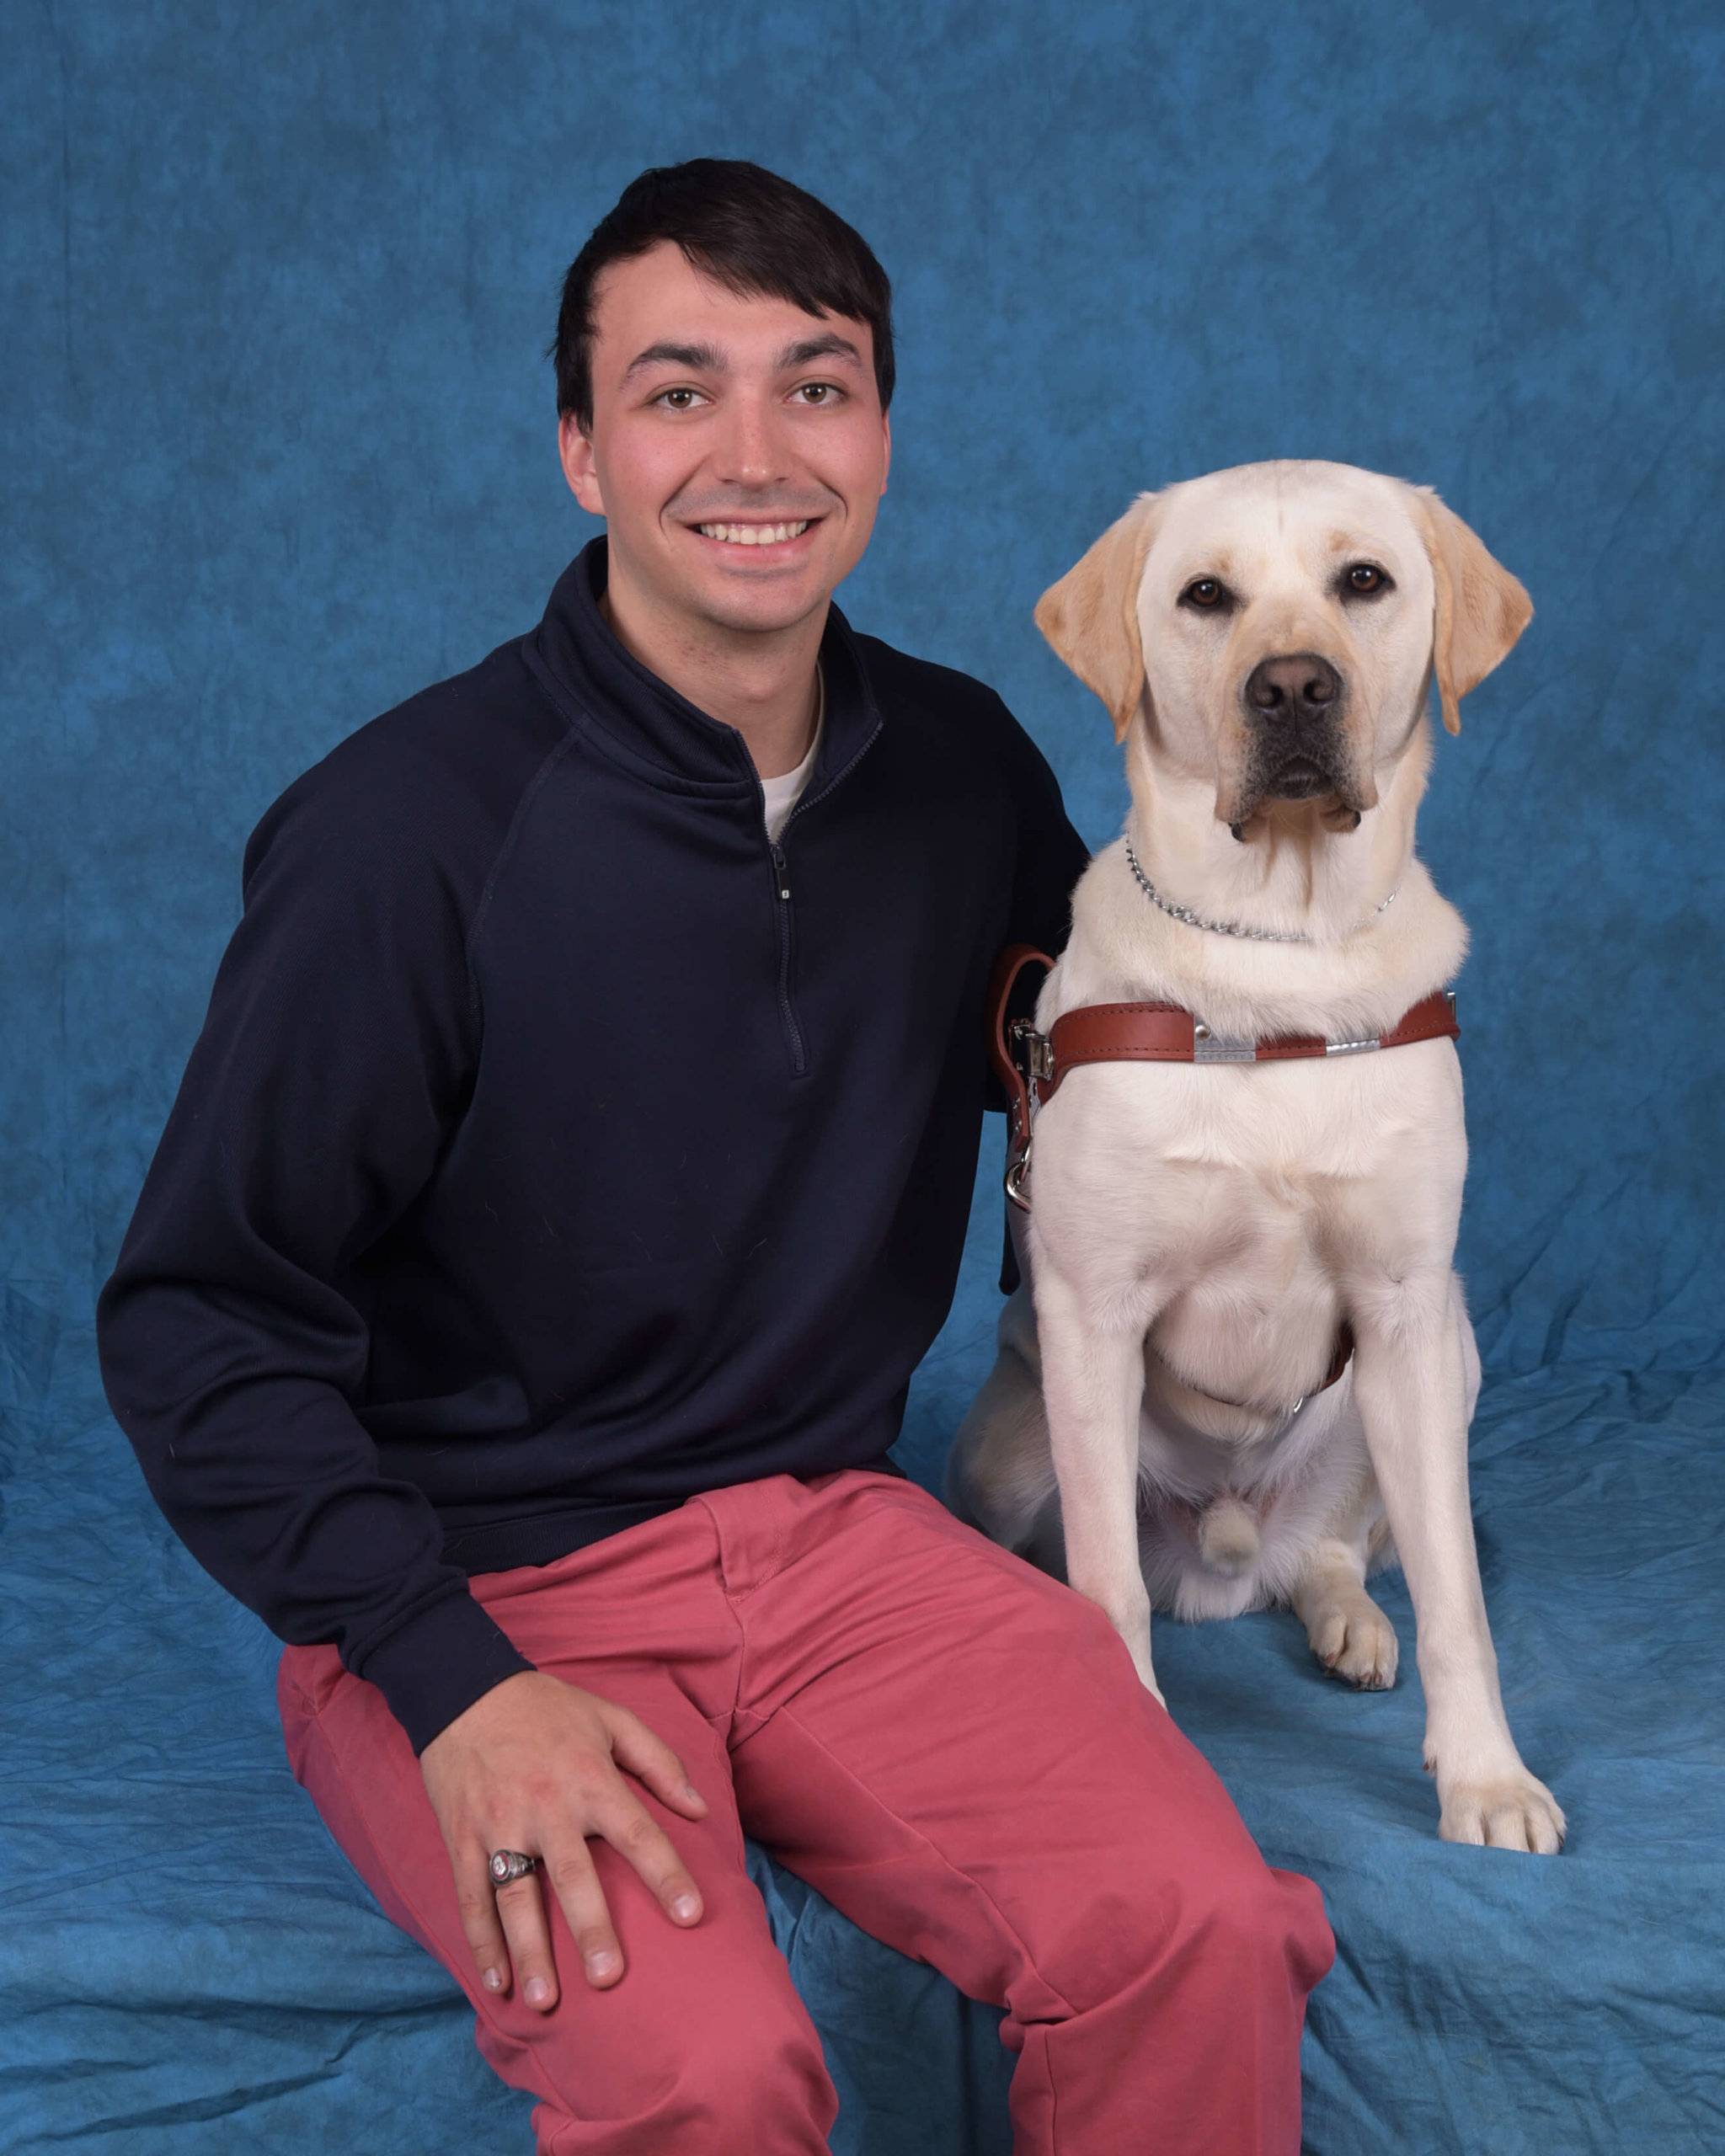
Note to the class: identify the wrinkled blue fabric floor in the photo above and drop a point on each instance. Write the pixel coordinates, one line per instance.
(187, 1966)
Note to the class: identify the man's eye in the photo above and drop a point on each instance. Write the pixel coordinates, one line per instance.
(1206, 592)
(816, 393)
(679, 400)
(1364, 578)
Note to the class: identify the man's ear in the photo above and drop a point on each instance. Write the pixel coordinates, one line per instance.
(1480, 608)
(1090, 615)
(575, 450)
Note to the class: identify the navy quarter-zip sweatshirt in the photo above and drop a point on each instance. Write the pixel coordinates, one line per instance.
(555, 1147)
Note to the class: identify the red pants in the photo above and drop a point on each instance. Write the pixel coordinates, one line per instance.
(952, 1748)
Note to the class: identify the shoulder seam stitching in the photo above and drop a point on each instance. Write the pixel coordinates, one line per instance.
(530, 794)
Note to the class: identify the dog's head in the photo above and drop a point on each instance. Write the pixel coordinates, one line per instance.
(1276, 627)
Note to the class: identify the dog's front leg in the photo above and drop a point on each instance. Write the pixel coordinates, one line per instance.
(1092, 1382)
(1411, 1380)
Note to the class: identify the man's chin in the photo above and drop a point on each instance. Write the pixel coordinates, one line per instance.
(758, 596)
(763, 610)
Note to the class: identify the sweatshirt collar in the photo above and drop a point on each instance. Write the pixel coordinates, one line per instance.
(597, 682)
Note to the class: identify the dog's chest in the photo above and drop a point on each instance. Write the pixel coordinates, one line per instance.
(1254, 1172)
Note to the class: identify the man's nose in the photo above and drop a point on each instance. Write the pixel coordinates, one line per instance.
(1300, 685)
(751, 450)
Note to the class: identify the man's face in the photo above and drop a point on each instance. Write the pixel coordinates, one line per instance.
(738, 449)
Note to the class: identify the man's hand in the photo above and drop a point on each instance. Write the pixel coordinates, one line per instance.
(533, 1765)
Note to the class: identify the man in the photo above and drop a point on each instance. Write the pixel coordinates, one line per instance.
(571, 1172)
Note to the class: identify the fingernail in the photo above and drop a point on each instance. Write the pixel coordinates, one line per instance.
(686, 1908)
(492, 1980)
(601, 1965)
(538, 1992)
(691, 1794)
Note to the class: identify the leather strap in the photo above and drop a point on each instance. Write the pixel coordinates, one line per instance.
(1433, 1018)
(1153, 1032)
(1342, 1356)
(1164, 1033)
(1121, 1032)
(1009, 964)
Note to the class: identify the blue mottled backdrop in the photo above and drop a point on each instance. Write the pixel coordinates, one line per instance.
(278, 448)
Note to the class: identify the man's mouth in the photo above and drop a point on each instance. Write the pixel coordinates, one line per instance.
(755, 535)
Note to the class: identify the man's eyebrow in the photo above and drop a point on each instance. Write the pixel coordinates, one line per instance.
(699, 359)
(830, 346)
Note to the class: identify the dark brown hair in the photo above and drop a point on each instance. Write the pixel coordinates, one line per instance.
(746, 229)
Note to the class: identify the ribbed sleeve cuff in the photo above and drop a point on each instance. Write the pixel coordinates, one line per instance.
(434, 1666)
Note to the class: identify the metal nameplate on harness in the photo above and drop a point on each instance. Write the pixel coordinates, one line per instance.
(1208, 1047)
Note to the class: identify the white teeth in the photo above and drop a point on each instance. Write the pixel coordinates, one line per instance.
(753, 534)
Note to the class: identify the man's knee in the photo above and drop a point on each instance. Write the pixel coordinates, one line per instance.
(1264, 1924)
(1201, 1922)
(759, 2081)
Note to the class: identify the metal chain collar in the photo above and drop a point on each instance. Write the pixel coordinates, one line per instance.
(1234, 927)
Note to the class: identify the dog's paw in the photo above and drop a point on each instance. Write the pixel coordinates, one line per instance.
(1509, 1811)
(1354, 1640)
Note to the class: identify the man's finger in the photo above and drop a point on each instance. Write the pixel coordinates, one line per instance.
(634, 1833)
(651, 1760)
(478, 1911)
(582, 1898)
(521, 1910)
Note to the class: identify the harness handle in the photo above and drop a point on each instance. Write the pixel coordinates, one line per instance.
(1017, 1072)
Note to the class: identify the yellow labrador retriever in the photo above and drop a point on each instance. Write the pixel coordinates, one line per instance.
(1207, 1238)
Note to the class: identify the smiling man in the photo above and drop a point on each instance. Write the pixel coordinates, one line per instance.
(572, 1171)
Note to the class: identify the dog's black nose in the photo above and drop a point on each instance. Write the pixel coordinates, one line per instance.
(1300, 687)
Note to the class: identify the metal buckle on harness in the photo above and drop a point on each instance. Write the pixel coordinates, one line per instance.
(1033, 1057)
(1033, 1052)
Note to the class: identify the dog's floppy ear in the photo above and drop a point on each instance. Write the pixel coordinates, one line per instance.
(1090, 615)
(1480, 609)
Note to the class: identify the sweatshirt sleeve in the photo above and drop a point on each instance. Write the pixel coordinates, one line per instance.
(333, 1062)
(1051, 858)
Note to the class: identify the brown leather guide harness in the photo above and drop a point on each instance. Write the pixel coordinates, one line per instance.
(1031, 1065)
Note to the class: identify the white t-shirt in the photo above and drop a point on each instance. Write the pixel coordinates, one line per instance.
(783, 792)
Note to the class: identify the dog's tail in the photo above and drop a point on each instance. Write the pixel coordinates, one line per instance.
(1227, 1536)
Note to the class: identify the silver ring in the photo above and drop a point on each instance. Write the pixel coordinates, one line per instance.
(507, 1864)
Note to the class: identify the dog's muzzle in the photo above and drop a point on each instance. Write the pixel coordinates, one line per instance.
(1295, 707)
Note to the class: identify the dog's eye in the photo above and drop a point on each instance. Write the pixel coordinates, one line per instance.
(1204, 592)
(1364, 578)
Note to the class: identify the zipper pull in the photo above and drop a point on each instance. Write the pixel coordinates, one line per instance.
(778, 870)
